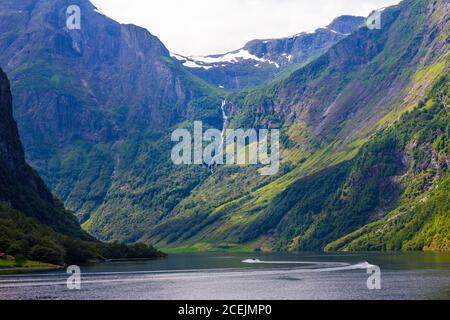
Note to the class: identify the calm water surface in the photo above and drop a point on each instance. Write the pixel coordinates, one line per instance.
(225, 276)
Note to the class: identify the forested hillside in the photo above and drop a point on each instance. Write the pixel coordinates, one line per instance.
(330, 111)
(363, 121)
(33, 224)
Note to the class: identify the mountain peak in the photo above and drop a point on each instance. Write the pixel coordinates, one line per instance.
(346, 24)
(267, 58)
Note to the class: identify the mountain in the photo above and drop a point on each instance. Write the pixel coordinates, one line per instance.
(398, 182)
(96, 108)
(330, 112)
(259, 61)
(33, 224)
(20, 186)
(362, 123)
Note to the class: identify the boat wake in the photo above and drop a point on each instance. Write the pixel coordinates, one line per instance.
(183, 275)
(315, 266)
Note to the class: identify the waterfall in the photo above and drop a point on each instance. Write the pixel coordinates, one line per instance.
(225, 123)
(222, 135)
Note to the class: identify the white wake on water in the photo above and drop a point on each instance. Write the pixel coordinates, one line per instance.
(332, 266)
(183, 275)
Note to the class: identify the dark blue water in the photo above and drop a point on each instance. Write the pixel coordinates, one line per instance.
(225, 276)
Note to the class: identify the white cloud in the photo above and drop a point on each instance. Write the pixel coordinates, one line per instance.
(200, 27)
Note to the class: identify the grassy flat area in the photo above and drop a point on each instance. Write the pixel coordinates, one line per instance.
(207, 247)
(11, 263)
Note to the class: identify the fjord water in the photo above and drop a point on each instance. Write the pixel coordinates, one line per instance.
(225, 276)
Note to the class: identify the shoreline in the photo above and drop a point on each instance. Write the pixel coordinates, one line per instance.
(25, 270)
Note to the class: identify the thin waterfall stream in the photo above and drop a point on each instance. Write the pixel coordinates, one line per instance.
(222, 135)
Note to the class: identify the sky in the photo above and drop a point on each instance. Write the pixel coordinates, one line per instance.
(202, 27)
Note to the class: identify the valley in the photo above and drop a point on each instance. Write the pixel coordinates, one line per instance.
(363, 116)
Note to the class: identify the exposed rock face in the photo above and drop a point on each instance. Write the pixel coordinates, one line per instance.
(357, 81)
(11, 156)
(20, 187)
(260, 61)
(96, 106)
(304, 46)
(329, 109)
(346, 24)
(82, 78)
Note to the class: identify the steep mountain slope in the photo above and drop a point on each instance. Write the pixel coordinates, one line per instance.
(400, 176)
(95, 109)
(328, 110)
(421, 218)
(259, 61)
(33, 224)
(20, 187)
(363, 78)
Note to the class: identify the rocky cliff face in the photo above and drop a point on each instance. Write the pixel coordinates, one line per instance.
(260, 61)
(328, 110)
(20, 187)
(304, 46)
(96, 106)
(82, 78)
(366, 75)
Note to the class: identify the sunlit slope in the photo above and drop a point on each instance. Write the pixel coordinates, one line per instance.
(327, 110)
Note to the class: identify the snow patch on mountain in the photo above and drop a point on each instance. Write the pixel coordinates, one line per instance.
(209, 62)
(232, 57)
(188, 62)
(288, 57)
(178, 57)
(337, 32)
(193, 64)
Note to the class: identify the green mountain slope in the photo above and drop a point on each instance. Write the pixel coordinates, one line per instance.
(20, 187)
(95, 109)
(33, 224)
(421, 218)
(328, 110)
(400, 177)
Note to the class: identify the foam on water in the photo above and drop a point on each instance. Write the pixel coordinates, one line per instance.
(180, 275)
